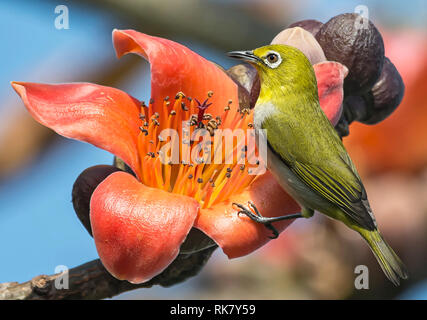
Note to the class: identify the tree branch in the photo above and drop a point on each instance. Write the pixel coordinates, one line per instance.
(217, 24)
(92, 281)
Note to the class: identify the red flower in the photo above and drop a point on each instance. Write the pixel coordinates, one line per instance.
(139, 223)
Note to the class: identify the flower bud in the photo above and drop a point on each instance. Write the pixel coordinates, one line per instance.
(310, 25)
(304, 41)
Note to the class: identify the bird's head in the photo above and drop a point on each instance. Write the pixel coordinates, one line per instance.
(280, 66)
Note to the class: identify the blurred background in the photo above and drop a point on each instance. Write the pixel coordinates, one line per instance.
(315, 258)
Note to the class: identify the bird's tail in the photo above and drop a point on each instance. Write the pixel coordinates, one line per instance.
(391, 264)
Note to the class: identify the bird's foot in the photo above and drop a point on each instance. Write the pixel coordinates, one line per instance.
(253, 213)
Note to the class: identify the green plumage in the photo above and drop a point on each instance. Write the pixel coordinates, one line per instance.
(306, 154)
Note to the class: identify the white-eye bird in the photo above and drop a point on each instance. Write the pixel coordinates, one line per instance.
(305, 153)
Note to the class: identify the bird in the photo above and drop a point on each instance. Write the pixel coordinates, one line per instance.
(305, 153)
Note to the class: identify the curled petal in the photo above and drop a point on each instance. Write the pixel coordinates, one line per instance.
(238, 235)
(137, 229)
(176, 68)
(330, 79)
(105, 117)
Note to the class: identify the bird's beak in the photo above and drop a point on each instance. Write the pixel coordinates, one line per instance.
(244, 55)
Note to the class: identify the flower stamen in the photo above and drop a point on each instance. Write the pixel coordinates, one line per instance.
(205, 180)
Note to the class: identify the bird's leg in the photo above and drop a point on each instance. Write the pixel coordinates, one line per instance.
(254, 215)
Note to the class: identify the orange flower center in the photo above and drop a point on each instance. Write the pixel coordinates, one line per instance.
(207, 180)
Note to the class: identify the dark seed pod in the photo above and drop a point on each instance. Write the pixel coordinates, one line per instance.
(247, 79)
(355, 42)
(310, 25)
(385, 95)
(196, 241)
(83, 188)
(342, 127)
(119, 163)
(376, 105)
(243, 74)
(256, 88)
(354, 109)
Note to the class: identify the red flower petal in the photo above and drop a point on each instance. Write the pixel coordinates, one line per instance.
(138, 230)
(330, 79)
(176, 68)
(238, 235)
(105, 117)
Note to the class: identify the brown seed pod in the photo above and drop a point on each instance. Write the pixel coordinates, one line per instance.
(354, 109)
(248, 81)
(310, 25)
(355, 42)
(385, 95)
(83, 188)
(196, 241)
(376, 105)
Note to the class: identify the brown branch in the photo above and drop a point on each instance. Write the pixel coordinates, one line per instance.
(92, 281)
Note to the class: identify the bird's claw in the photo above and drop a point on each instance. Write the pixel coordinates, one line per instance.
(254, 215)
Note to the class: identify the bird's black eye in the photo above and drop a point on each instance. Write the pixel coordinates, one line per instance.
(272, 57)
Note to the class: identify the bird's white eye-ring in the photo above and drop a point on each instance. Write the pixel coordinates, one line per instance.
(273, 59)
